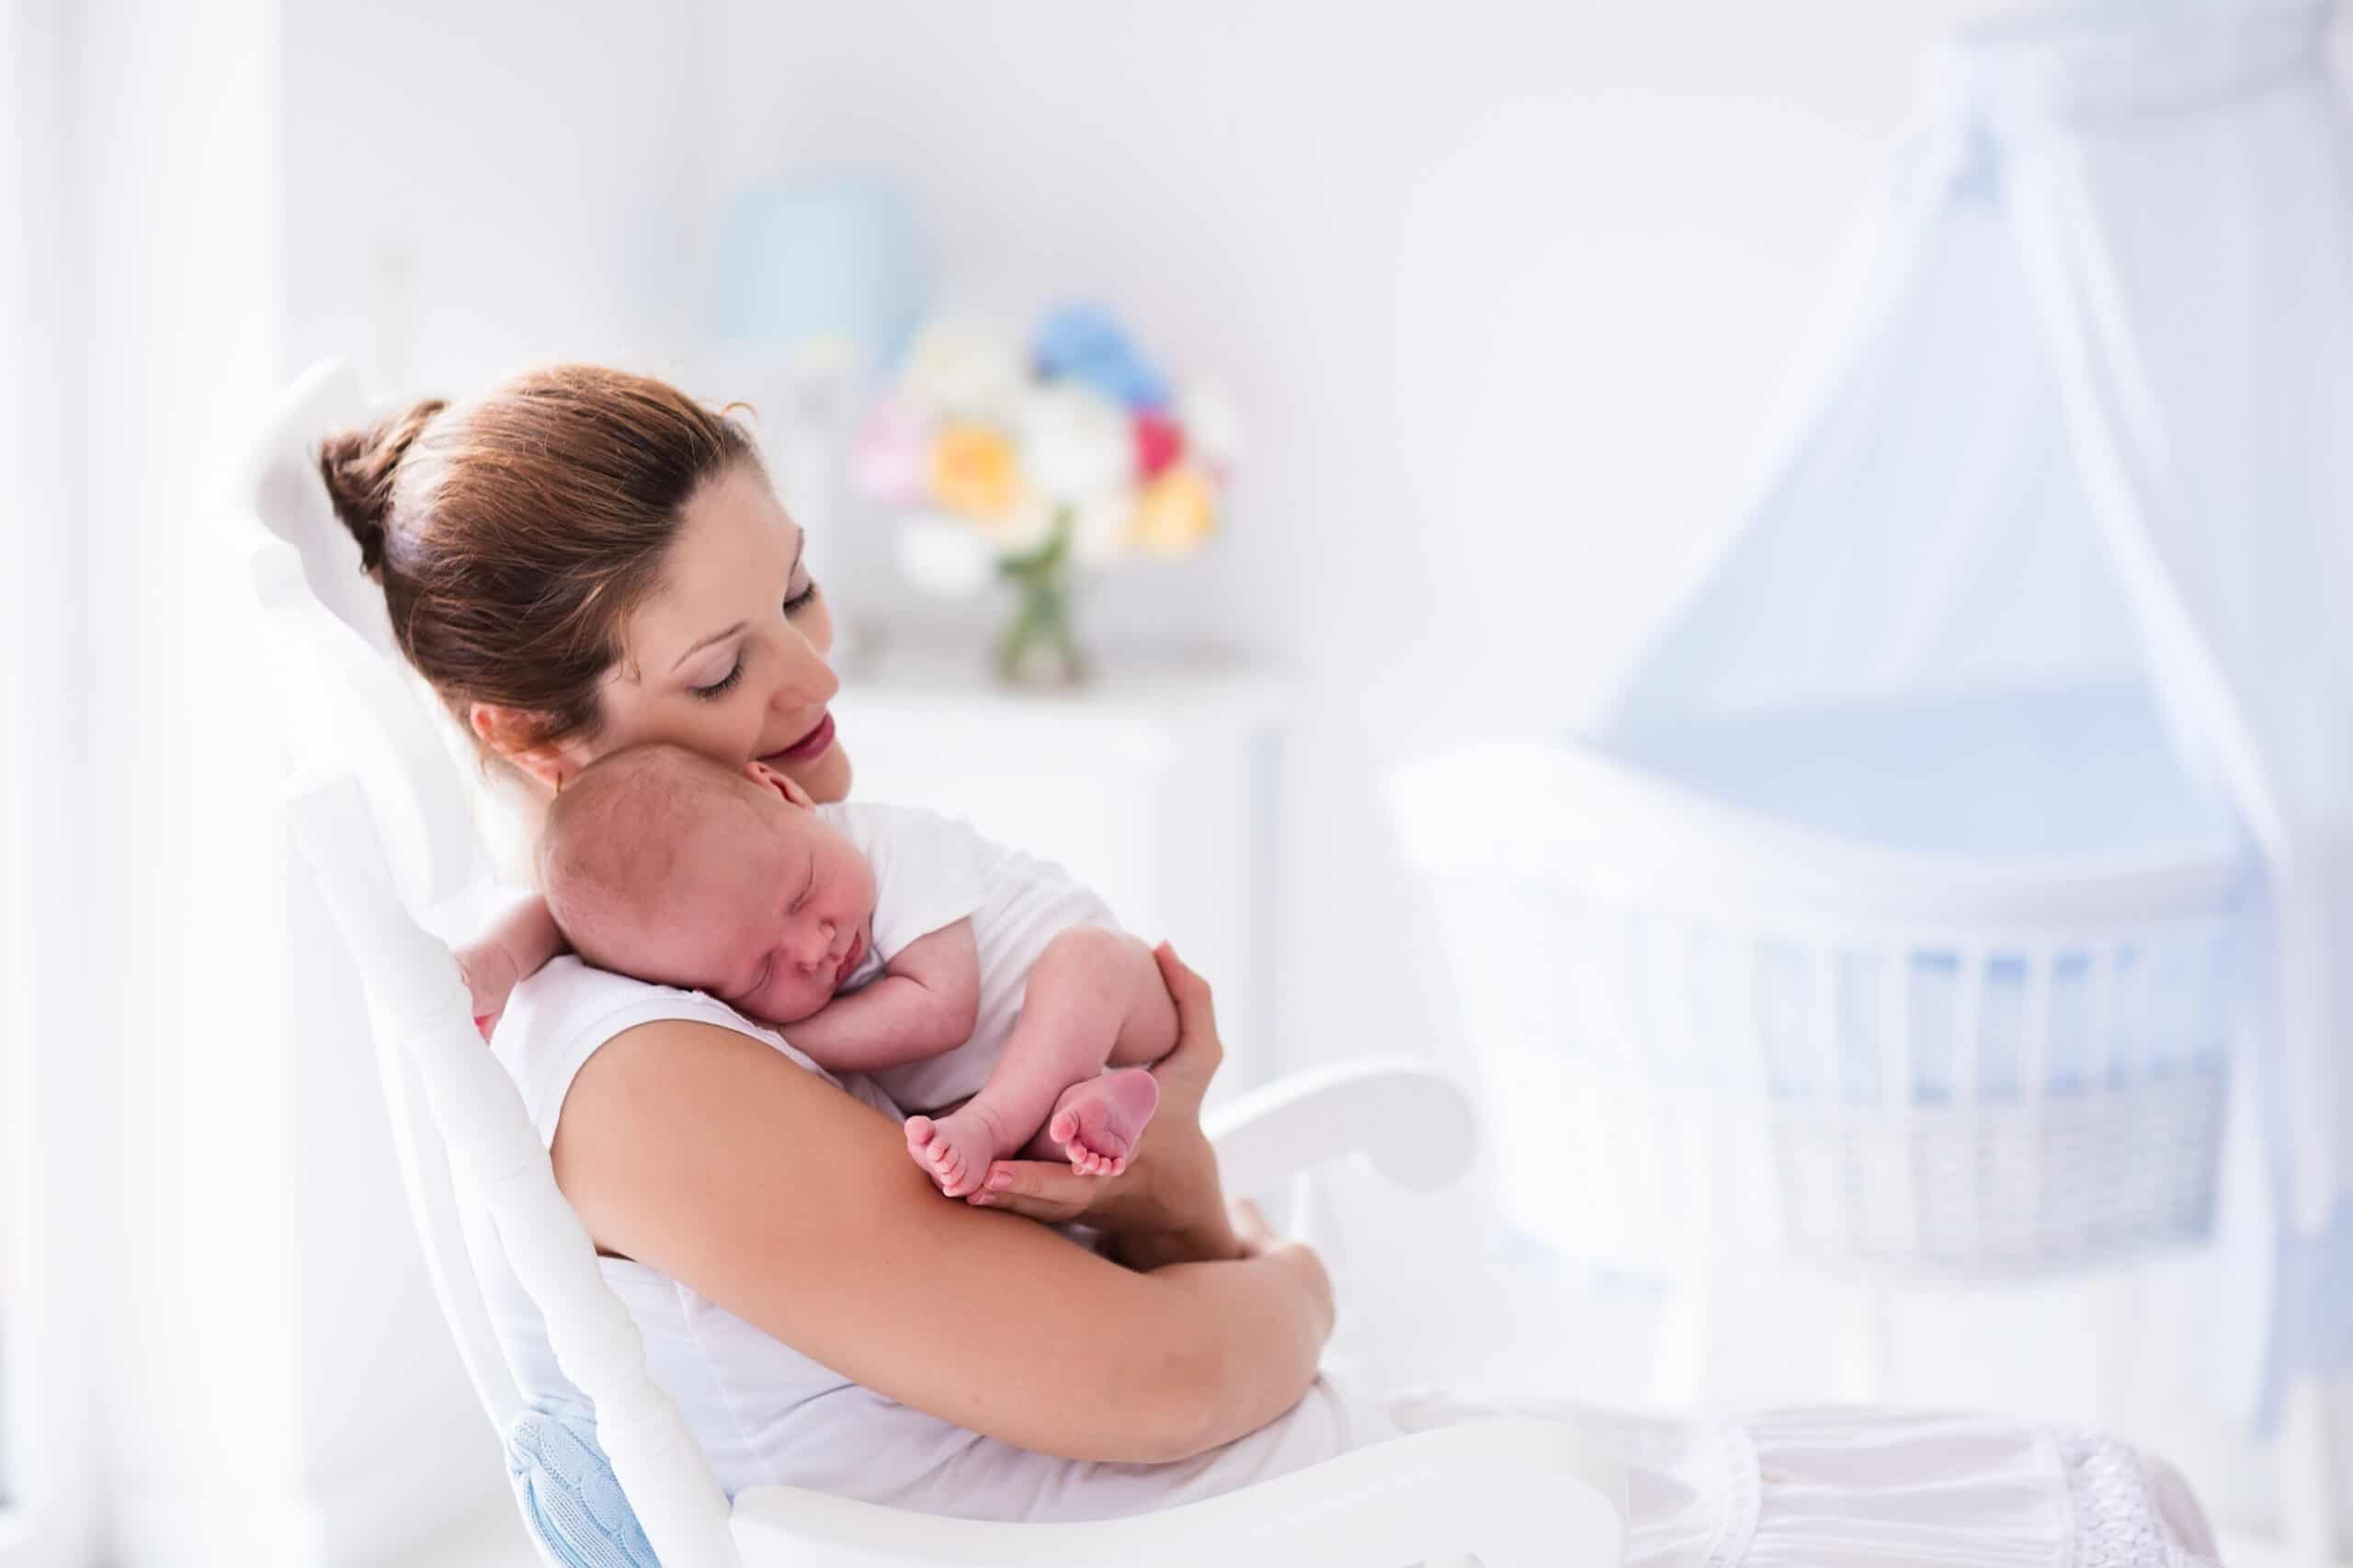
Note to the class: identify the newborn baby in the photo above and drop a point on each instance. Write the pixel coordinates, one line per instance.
(983, 987)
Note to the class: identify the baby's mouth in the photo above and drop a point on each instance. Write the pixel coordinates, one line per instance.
(849, 958)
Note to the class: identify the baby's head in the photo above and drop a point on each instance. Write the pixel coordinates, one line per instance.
(658, 862)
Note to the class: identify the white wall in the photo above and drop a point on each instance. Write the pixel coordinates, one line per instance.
(173, 169)
(1501, 289)
(472, 189)
(48, 1166)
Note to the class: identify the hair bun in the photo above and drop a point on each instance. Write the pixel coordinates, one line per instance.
(359, 466)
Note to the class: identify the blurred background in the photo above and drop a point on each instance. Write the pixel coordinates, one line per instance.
(1467, 320)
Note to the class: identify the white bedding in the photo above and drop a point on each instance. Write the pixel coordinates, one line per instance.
(2079, 772)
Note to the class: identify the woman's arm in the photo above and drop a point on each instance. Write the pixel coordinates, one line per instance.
(713, 1158)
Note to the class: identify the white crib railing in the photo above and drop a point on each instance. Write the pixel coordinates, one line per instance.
(1704, 1032)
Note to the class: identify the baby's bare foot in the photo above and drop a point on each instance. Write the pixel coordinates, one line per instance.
(954, 1151)
(1096, 1123)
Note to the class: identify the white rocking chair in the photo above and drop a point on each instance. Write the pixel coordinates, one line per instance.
(381, 812)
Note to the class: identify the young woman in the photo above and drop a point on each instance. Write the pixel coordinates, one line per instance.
(585, 559)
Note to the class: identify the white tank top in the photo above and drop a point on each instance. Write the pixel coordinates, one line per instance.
(766, 1414)
(1862, 1488)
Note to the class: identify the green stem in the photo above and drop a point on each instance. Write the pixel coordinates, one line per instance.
(1042, 617)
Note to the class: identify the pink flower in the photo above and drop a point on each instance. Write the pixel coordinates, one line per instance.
(1158, 443)
(890, 456)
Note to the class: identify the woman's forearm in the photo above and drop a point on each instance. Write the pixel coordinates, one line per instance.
(1050, 1347)
(1260, 1326)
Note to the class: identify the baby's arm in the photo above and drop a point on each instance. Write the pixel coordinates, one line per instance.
(924, 1005)
(515, 949)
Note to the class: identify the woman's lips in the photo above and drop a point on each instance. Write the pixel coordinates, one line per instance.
(808, 745)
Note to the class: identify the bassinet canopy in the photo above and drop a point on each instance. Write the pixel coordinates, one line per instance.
(2085, 425)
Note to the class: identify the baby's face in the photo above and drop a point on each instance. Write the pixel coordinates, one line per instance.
(787, 913)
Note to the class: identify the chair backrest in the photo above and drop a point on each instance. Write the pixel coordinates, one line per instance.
(350, 703)
(347, 712)
(382, 811)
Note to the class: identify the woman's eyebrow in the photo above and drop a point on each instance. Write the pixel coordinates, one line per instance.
(714, 637)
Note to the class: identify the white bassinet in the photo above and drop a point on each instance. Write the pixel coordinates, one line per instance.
(1943, 986)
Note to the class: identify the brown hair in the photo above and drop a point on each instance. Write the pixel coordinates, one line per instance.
(513, 537)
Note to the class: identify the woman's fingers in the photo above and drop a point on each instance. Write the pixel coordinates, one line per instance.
(1199, 1050)
(1187, 989)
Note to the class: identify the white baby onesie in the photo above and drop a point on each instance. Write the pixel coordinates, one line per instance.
(931, 871)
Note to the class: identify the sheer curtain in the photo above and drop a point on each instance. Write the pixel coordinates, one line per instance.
(46, 1469)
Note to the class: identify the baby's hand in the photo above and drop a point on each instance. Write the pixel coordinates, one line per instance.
(490, 978)
(525, 938)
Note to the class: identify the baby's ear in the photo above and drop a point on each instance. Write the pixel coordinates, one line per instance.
(767, 777)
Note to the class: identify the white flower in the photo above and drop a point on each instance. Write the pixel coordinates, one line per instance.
(1076, 444)
(942, 557)
(1212, 429)
(1099, 528)
(965, 371)
(1026, 524)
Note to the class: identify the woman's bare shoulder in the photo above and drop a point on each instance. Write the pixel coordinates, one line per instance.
(677, 1124)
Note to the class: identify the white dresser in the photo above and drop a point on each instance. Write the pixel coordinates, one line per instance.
(1155, 785)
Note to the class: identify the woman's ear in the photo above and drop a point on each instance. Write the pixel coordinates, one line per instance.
(511, 734)
(767, 777)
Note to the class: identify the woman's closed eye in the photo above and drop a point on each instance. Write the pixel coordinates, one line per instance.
(735, 672)
(734, 676)
(723, 684)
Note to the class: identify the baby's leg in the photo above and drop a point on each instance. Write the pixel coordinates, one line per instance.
(1097, 1121)
(1093, 996)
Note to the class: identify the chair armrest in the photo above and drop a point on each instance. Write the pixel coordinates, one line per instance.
(1413, 1122)
(1516, 1492)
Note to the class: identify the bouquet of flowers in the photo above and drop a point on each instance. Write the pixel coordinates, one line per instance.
(1030, 466)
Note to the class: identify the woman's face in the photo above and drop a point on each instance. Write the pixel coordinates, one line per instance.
(727, 657)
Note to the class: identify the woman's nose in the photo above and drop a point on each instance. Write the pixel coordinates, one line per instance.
(806, 680)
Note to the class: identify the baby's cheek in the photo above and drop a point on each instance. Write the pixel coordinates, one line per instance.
(799, 1000)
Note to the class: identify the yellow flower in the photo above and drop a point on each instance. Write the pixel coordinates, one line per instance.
(1174, 514)
(973, 472)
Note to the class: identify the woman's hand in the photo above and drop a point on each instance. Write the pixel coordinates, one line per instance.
(1257, 1239)
(1167, 1206)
